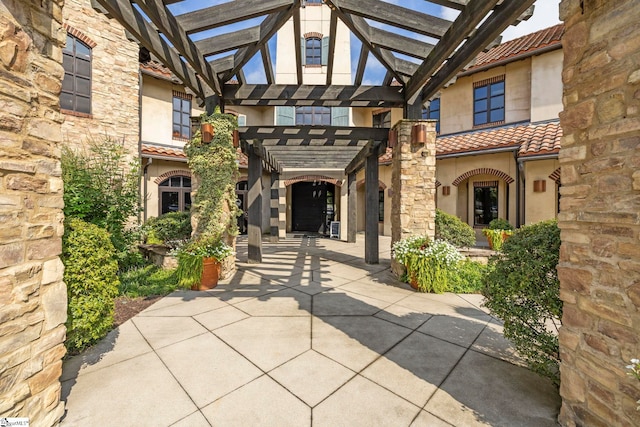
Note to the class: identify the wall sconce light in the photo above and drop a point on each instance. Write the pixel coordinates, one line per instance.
(207, 132)
(390, 192)
(393, 138)
(419, 134)
(236, 138)
(539, 185)
(446, 190)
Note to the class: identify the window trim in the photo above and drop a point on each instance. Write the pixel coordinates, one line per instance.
(488, 83)
(386, 113)
(315, 38)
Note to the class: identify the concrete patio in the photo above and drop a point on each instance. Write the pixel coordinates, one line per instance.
(312, 336)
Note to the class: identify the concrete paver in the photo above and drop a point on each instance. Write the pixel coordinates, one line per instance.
(313, 336)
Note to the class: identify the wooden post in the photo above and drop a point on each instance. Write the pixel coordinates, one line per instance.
(371, 187)
(254, 229)
(211, 102)
(275, 204)
(413, 108)
(352, 201)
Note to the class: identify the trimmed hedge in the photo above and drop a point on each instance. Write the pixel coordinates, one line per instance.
(90, 274)
(451, 229)
(169, 229)
(522, 289)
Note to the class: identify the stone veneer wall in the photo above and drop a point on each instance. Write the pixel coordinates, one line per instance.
(114, 75)
(413, 182)
(600, 212)
(33, 299)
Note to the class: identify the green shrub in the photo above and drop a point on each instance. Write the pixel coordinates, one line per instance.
(146, 281)
(522, 289)
(452, 229)
(92, 284)
(168, 229)
(430, 267)
(500, 224)
(467, 277)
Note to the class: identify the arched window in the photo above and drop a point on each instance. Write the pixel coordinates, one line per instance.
(76, 85)
(174, 194)
(313, 51)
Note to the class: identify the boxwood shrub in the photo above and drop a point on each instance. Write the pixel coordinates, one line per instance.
(452, 229)
(523, 290)
(168, 229)
(92, 283)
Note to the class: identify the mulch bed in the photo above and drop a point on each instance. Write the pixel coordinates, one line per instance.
(127, 307)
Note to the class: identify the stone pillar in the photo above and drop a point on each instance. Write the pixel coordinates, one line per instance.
(254, 228)
(275, 207)
(33, 298)
(352, 218)
(371, 185)
(413, 179)
(599, 216)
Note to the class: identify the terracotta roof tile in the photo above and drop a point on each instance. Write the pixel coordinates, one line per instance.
(531, 139)
(157, 69)
(178, 153)
(525, 44)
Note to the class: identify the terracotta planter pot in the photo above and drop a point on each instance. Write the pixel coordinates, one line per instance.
(210, 275)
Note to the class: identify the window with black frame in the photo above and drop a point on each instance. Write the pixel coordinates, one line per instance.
(381, 205)
(76, 85)
(433, 112)
(382, 119)
(488, 101)
(313, 51)
(485, 202)
(181, 116)
(175, 194)
(311, 115)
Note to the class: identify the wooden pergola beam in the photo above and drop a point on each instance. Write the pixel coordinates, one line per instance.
(335, 95)
(398, 16)
(494, 25)
(134, 22)
(362, 64)
(297, 43)
(167, 24)
(229, 13)
(313, 132)
(398, 43)
(373, 148)
(268, 28)
(464, 24)
(228, 41)
(267, 64)
(333, 25)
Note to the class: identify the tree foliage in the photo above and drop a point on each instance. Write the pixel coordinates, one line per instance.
(522, 289)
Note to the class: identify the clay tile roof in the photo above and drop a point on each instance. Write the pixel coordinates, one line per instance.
(158, 150)
(178, 153)
(385, 159)
(525, 44)
(157, 69)
(531, 139)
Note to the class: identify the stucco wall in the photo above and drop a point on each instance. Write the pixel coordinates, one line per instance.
(546, 86)
(33, 298)
(540, 206)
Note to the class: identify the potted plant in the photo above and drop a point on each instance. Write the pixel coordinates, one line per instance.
(428, 264)
(498, 231)
(199, 263)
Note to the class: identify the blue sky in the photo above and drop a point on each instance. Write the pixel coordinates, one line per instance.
(545, 15)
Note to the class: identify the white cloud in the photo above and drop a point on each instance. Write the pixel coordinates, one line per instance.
(448, 14)
(545, 14)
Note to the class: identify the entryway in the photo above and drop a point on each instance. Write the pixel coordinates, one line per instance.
(312, 206)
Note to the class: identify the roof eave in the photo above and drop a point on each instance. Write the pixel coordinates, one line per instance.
(551, 47)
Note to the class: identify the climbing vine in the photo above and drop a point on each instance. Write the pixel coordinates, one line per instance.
(215, 168)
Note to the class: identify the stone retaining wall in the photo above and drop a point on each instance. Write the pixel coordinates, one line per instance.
(33, 300)
(600, 212)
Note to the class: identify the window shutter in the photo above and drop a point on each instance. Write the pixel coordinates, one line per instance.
(285, 116)
(242, 120)
(303, 57)
(340, 116)
(325, 51)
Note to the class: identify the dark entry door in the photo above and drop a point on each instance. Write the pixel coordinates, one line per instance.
(309, 206)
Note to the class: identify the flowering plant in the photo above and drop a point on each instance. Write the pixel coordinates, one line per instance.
(191, 258)
(635, 372)
(429, 264)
